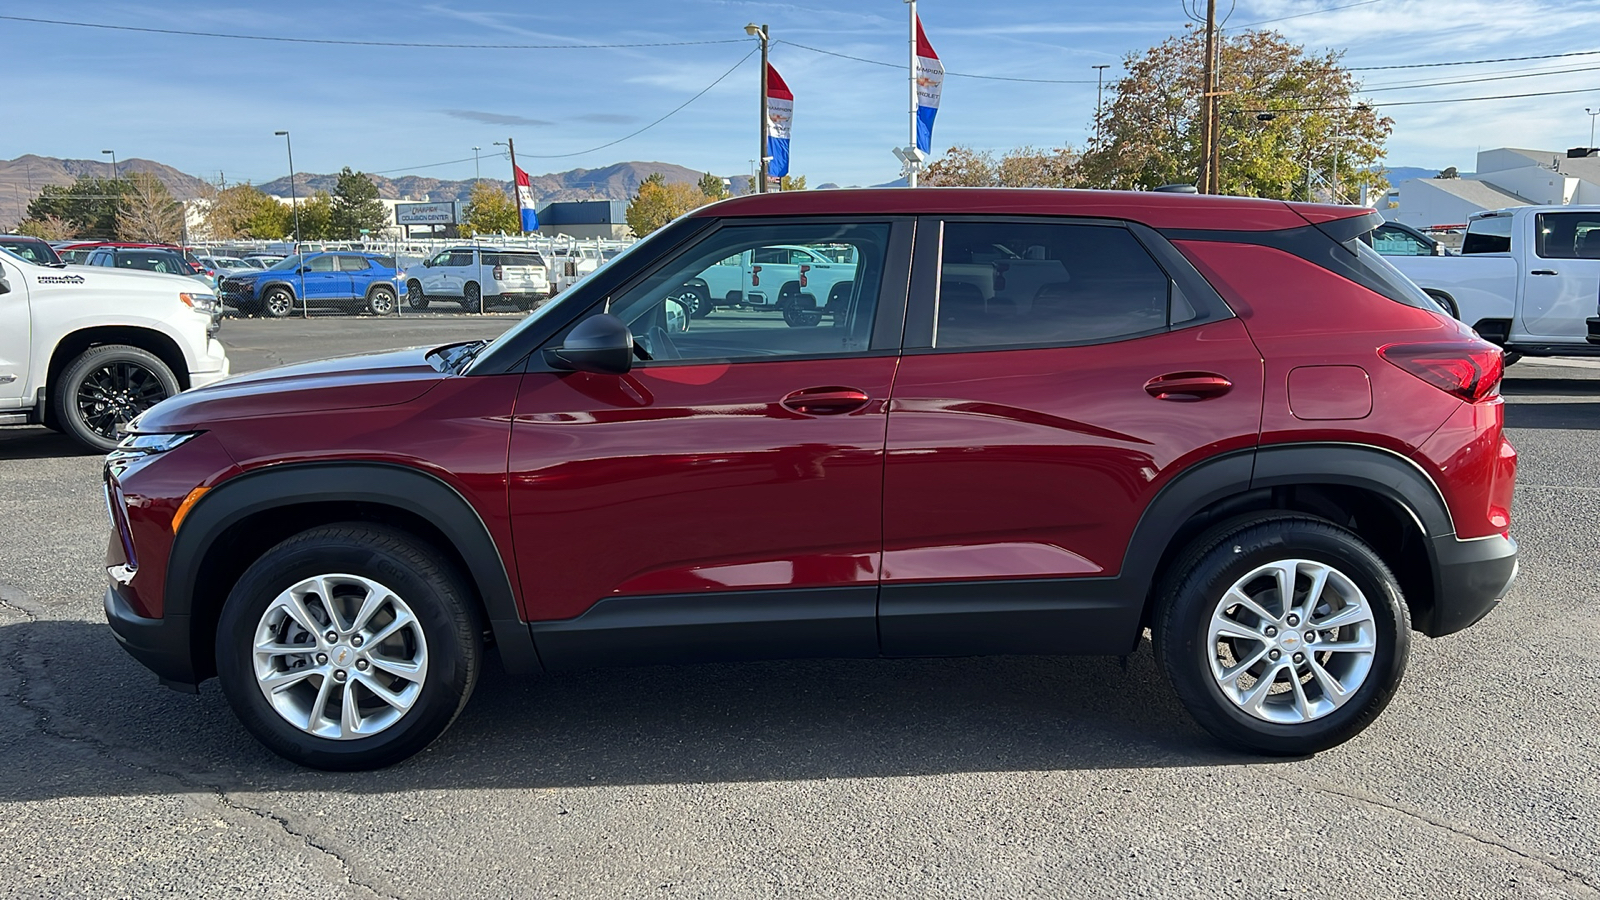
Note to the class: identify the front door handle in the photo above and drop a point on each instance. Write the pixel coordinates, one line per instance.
(1543, 272)
(1188, 387)
(825, 401)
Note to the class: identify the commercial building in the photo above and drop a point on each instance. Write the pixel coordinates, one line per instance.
(1505, 177)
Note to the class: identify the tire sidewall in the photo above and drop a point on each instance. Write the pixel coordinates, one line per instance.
(270, 295)
(67, 415)
(1187, 656)
(381, 301)
(451, 668)
(415, 298)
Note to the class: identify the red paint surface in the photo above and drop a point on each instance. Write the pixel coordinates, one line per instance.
(1329, 392)
(1059, 450)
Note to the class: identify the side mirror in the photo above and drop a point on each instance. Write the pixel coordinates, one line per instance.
(601, 344)
(5, 286)
(304, 269)
(676, 312)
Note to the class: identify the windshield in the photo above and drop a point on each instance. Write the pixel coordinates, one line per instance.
(32, 251)
(286, 264)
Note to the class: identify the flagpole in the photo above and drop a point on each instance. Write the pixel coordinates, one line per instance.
(511, 145)
(911, 170)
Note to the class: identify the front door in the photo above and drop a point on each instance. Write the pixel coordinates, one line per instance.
(1055, 377)
(1563, 276)
(16, 331)
(721, 500)
(322, 281)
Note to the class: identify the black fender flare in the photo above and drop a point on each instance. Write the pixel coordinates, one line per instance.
(388, 484)
(261, 289)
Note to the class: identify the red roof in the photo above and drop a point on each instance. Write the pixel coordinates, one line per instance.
(1157, 209)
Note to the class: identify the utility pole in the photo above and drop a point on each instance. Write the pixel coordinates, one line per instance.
(1208, 104)
(1099, 99)
(760, 31)
(516, 189)
(911, 170)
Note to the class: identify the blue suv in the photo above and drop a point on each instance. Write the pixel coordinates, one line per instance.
(348, 282)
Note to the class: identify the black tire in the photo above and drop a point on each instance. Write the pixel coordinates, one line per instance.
(277, 302)
(472, 297)
(437, 597)
(1512, 357)
(1194, 590)
(1447, 302)
(702, 305)
(381, 301)
(415, 298)
(104, 388)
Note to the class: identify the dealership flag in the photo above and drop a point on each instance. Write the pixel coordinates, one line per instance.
(930, 82)
(530, 219)
(780, 115)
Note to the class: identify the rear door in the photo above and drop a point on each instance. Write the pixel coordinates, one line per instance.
(1562, 276)
(361, 273)
(321, 282)
(723, 499)
(1056, 375)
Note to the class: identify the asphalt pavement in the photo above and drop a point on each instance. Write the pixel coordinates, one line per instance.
(1001, 777)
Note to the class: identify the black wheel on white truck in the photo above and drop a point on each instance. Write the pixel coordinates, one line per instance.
(99, 392)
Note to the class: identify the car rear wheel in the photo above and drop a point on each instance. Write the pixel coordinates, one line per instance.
(415, 298)
(472, 298)
(278, 302)
(1285, 635)
(104, 388)
(380, 301)
(350, 646)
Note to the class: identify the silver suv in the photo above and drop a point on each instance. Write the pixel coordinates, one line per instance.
(472, 275)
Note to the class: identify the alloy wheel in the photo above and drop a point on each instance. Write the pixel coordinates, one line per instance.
(112, 394)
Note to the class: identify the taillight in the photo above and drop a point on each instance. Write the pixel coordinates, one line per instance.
(499, 273)
(1469, 370)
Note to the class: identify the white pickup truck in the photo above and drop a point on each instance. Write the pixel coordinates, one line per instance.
(1528, 279)
(85, 349)
(803, 282)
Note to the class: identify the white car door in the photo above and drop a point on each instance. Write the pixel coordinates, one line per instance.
(435, 276)
(1562, 276)
(16, 333)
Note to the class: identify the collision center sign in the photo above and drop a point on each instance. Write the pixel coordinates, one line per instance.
(425, 213)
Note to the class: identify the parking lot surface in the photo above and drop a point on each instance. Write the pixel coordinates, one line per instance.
(993, 777)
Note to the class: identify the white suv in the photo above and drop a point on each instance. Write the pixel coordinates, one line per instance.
(85, 349)
(472, 275)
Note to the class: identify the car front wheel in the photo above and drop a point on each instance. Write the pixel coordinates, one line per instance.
(104, 388)
(1286, 635)
(278, 303)
(415, 298)
(349, 646)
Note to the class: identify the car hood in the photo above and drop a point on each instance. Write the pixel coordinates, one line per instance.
(351, 382)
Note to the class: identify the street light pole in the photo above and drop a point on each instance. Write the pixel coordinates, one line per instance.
(760, 31)
(113, 154)
(1592, 113)
(1099, 98)
(294, 202)
(476, 175)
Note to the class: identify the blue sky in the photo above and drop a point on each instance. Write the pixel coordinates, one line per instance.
(209, 105)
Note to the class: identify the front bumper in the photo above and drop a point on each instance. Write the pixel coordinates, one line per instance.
(160, 645)
(213, 367)
(1471, 578)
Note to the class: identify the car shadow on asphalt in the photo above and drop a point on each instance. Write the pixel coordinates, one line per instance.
(97, 724)
(1550, 387)
(38, 442)
(1558, 416)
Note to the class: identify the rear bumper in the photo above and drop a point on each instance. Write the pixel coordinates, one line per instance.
(1472, 577)
(160, 645)
(1594, 330)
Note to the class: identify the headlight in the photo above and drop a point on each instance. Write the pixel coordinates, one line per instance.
(200, 303)
(148, 444)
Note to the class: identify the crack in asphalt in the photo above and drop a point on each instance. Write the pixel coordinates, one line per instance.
(110, 752)
(1582, 878)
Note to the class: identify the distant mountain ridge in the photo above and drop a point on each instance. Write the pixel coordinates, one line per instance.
(22, 178)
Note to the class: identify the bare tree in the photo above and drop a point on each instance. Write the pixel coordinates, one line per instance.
(148, 212)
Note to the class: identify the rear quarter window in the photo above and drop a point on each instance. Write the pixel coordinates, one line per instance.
(1490, 234)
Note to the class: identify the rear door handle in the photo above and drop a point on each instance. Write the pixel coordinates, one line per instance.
(1188, 387)
(825, 401)
(1543, 272)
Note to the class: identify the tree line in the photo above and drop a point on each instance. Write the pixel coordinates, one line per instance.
(138, 207)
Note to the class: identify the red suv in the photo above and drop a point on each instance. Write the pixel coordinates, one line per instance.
(1029, 422)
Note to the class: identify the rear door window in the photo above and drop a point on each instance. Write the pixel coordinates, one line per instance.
(1032, 284)
(1567, 235)
(354, 264)
(459, 258)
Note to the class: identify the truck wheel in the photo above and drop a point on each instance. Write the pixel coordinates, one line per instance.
(104, 388)
(1283, 635)
(1447, 302)
(278, 302)
(349, 646)
(415, 298)
(380, 301)
(472, 298)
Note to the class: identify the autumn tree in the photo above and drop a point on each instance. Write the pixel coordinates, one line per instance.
(88, 206)
(50, 228)
(1281, 110)
(355, 207)
(712, 187)
(658, 203)
(1023, 167)
(792, 183)
(316, 217)
(148, 213)
(243, 211)
(490, 210)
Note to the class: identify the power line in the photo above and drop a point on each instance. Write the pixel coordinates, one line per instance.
(1474, 62)
(901, 66)
(1352, 108)
(1314, 12)
(1477, 80)
(349, 43)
